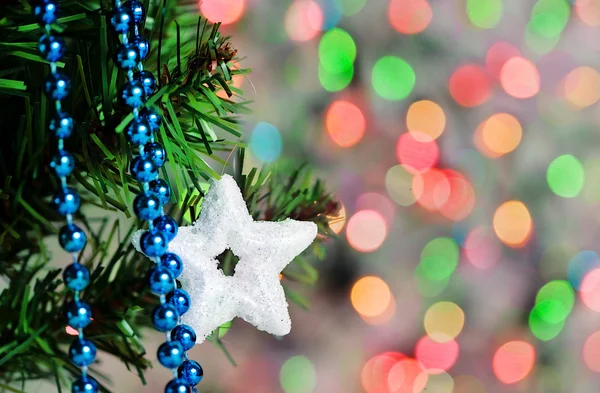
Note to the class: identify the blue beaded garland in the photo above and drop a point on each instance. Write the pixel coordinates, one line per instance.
(46, 12)
(127, 56)
(120, 20)
(57, 86)
(52, 48)
(136, 10)
(154, 243)
(191, 372)
(76, 276)
(156, 152)
(143, 46)
(161, 280)
(167, 225)
(61, 125)
(178, 386)
(161, 189)
(173, 263)
(165, 317)
(66, 201)
(78, 314)
(143, 169)
(85, 384)
(147, 79)
(170, 354)
(147, 206)
(82, 352)
(153, 117)
(63, 163)
(72, 238)
(180, 299)
(139, 132)
(133, 94)
(185, 335)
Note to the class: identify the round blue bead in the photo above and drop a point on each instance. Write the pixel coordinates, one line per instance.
(173, 263)
(139, 132)
(147, 79)
(167, 225)
(147, 206)
(178, 386)
(154, 243)
(161, 280)
(191, 372)
(71, 238)
(180, 299)
(82, 352)
(161, 189)
(57, 86)
(127, 56)
(143, 46)
(170, 354)
(120, 20)
(62, 125)
(66, 201)
(185, 335)
(155, 152)
(85, 384)
(143, 169)
(133, 94)
(46, 11)
(76, 276)
(153, 117)
(136, 10)
(78, 314)
(165, 317)
(52, 48)
(63, 163)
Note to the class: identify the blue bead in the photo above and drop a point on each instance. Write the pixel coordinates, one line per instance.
(78, 314)
(85, 384)
(76, 276)
(133, 94)
(46, 12)
(135, 10)
(147, 79)
(57, 86)
(170, 354)
(155, 152)
(167, 225)
(71, 238)
(165, 317)
(120, 20)
(173, 263)
(161, 280)
(62, 125)
(52, 48)
(127, 56)
(139, 132)
(185, 335)
(191, 372)
(154, 243)
(63, 163)
(82, 352)
(178, 386)
(66, 201)
(143, 169)
(147, 206)
(143, 46)
(161, 189)
(180, 299)
(153, 117)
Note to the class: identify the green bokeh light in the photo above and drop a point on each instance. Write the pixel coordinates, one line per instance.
(549, 17)
(298, 375)
(335, 81)
(439, 258)
(484, 14)
(337, 51)
(538, 43)
(428, 287)
(393, 78)
(352, 7)
(538, 321)
(565, 176)
(558, 291)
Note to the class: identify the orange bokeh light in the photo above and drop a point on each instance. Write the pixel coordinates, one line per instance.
(513, 224)
(406, 377)
(513, 361)
(336, 223)
(590, 290)
(417, 151)
(431, 189)
(520, 78)
(591, 352)
(303, 20)
(581, 87)
(470, 85)
(498, 55)
(345, 123)
(409, 16)
(426, 117)
(224, 11)
(588, 11)
(375, 372)
(384, 317)
(370, 296)
(482, 248)
(435, 355)
(461, 199)
(366, 230)
(500, 134)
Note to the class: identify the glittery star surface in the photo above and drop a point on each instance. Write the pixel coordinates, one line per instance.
(264, 248)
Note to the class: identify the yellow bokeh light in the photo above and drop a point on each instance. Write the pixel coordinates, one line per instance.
(581, 87)
(398, 183)
(437, 381)
(366, 230)
(426, 117)
(370, 296)
(501, 134)
(444, 321)
(513, 224)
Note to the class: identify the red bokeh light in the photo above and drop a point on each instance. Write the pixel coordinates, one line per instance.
(520, 78)
(513, 361)
(470, 85)
(409, 16)
(417, 150)
(431, 189)
(375, 373)
(406, 376)
(591, 352)
(436, 356)
(225, 11)
(345, 123)
(461, 199)
(303, 20)
(590, 290)
(498, 55)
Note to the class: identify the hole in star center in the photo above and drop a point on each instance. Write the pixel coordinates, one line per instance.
(227, 261)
